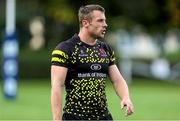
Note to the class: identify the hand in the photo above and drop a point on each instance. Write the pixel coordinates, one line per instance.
(127, 104)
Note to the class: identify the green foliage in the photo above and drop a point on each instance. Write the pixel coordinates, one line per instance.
(34, 64)
(173, 57)
(61, 22)
(60, 11)
(61, 16)
(173, 10)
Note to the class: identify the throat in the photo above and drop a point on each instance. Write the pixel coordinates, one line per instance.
(90, 42)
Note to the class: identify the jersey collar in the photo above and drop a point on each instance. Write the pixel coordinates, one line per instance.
(77, 39)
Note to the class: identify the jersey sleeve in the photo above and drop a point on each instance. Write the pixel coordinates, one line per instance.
(60, 55)
(112, 56)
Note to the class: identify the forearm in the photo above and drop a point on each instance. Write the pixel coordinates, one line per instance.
(119, 83)
(121, 88)
(58, 75)
(56, 104)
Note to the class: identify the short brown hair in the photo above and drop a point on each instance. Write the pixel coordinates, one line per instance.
(85, 12)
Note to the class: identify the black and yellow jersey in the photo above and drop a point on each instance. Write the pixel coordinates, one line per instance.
(86, 77)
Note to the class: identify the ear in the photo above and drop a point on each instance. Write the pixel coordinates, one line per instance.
(85, 23)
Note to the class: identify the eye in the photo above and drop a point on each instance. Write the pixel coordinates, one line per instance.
(101, 20)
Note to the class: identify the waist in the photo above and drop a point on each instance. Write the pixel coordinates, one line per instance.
(85, 114)
(92, 102)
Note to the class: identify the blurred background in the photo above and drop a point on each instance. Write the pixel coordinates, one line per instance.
(145, 35)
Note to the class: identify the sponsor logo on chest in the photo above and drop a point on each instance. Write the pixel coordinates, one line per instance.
(95, 67)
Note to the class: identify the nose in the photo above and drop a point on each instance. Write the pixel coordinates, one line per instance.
(105, 24)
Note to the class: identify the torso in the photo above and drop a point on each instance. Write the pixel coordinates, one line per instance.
(86, 79)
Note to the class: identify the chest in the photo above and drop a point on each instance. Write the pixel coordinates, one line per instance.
(85, 58)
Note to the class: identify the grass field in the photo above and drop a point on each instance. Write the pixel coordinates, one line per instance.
(153, 100)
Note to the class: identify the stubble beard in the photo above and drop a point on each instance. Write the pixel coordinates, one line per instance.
(98, 35)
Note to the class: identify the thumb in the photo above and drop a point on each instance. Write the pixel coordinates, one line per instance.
(122, 105)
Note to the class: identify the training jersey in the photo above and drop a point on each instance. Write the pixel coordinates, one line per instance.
(86, 77)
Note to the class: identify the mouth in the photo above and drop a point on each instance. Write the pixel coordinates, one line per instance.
(104, 32)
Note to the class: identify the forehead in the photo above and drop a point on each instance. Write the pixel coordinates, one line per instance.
(96, 14)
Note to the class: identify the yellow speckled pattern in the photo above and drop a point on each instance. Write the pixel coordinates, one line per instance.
(86, 78)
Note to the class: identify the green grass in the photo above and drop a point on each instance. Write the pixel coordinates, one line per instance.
(32, 102)
(153, 100)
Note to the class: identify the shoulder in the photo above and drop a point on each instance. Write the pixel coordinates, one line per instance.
(109, 51)
(105, 45)
(66, 45)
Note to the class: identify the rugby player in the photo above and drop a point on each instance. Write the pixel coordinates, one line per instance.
(82, 63)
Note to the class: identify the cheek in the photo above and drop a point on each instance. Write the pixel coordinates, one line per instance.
(94, 28)
(97, 27)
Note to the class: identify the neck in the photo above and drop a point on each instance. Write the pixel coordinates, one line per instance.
(86, 38)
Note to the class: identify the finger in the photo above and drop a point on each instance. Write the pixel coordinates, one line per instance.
(129, 110)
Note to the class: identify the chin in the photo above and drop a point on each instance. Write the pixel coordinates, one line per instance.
(100, 37)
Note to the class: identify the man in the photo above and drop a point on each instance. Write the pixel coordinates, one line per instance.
(83, 63)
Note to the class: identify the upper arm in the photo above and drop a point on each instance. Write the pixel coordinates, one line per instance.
(59, 64)
(60, 55)
(58, 75)
(114, 73)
